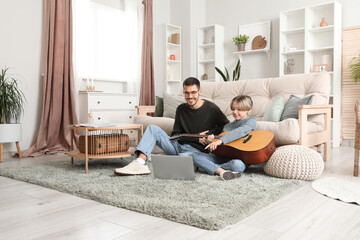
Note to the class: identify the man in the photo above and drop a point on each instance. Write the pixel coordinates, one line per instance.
(196, 116)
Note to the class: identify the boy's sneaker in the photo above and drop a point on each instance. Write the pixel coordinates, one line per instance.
(133, 168)
(227, 175)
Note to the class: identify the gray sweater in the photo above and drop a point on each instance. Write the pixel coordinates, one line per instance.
(238, 129)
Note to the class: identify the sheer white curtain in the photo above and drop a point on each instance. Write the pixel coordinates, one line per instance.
(107, 40)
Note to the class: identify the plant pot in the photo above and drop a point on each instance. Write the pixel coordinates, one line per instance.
(241, 47)
(10, 133)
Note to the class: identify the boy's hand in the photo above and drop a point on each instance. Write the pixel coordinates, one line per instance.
(210, 138)
(203, 140)
(213, 145)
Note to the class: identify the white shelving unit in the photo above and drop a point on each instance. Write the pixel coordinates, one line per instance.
(252, 30)
(302, 39)
(173, 58)
(210, 52)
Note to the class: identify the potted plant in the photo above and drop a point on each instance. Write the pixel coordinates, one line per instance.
(236, 72)
(355, 68)
(241, 41)
(12, 102)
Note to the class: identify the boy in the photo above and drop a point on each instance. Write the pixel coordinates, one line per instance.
(228, 168)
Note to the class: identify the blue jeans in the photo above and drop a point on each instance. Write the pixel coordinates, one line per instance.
(209, 163)
(154, 135)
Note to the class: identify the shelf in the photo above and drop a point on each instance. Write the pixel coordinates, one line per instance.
(173, 45)
(78, 154)
(300, 28)
(208, 45)
(294, 52)
(173, 68)
(173, 61)
(267, 51)
(209, 51)
(322, 29)
(323, 49)
(207, 61)
(294, 30)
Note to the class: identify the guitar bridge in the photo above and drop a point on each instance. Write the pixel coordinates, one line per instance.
(247, 139)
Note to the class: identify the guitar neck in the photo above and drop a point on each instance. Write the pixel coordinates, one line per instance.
(196, 135)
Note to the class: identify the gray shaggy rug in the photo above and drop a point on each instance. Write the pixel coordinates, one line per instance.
(207, 202)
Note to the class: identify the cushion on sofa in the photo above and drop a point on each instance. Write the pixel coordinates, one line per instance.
(159, 106)
(274, 111)
(171, 102)
(281, 130)
(164, 123)
(291, 106)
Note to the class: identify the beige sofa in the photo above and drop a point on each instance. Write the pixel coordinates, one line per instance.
(311, 129)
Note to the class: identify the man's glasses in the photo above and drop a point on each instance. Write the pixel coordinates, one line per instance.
(192, 93)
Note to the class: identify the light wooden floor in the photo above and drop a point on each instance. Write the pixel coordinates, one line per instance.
(32, 212)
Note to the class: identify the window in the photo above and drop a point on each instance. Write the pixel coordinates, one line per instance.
(107, 39)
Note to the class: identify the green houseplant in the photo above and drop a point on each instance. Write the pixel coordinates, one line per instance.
(240, 41)
(11, 99)
(12, 102)
(236, 72)
(355, 68)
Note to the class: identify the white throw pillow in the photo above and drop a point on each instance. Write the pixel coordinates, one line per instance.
(274, 112)
(171, 103)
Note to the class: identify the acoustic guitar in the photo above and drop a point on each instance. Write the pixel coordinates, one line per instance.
(256, 147)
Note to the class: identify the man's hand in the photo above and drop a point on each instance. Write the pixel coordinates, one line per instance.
(214, 145)
(203, 140)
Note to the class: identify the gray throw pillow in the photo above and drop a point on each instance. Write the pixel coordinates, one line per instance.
(274, 111)
(159, 106)
(171, 103)
(291, 107)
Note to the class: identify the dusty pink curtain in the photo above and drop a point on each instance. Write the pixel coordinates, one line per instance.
(58, 100)
(147, 88)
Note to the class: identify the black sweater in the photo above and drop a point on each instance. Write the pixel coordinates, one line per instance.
(194, 121)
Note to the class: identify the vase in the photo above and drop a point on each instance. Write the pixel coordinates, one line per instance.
(241, 47)
(323, 23)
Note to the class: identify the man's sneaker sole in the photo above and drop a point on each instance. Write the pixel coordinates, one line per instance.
(130, 174)
(230, 175)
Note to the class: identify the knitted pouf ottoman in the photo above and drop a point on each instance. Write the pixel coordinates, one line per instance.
(295, 162)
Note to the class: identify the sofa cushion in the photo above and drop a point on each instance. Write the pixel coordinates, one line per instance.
(291, 107)
(159, 106)
(282, 130)
(164, 123)
(171, 102)
(274, 111)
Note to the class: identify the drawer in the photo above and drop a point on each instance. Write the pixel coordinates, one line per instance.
(111, 102)
(114, 116)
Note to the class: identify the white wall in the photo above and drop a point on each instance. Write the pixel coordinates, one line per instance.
(20, 50)
(232, 13)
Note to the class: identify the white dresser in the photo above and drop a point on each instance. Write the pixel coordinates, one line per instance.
(109, 108)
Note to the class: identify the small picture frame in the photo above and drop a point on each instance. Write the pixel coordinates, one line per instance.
(320, 68)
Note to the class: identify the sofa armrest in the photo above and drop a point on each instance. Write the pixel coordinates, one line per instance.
(313, 139)
(145, 110)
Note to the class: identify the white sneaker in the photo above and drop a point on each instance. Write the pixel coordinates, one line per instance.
(133, 168)
(227, 175)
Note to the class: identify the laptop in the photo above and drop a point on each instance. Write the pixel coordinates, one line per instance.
(173, 167)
